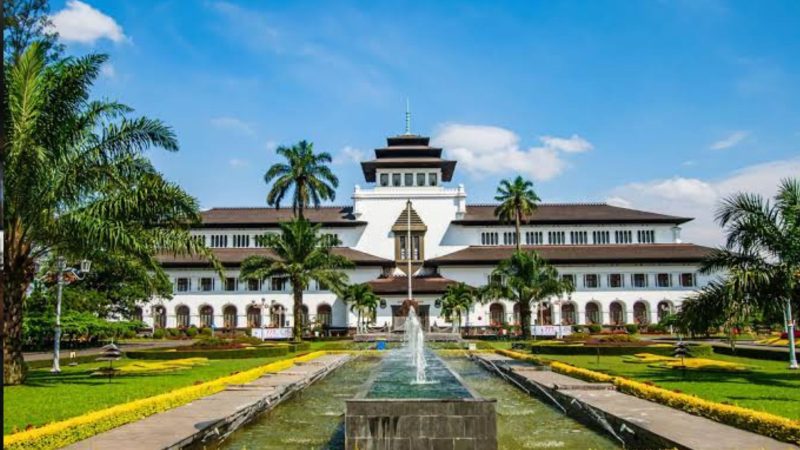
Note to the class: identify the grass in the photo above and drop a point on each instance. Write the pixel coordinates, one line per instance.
(46, 397)
(769, 386)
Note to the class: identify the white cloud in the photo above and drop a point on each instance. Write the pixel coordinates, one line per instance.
(483, 149)
(693, 197)
(731, 140)
(233, 124)
(107, 70)
(79, 22)
(349, 155)
(237, 163)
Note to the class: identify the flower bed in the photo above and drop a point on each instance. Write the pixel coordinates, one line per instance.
(767, 424)
(60, 434)
(615, 349)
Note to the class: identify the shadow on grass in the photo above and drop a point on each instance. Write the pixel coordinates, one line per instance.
(84, 377)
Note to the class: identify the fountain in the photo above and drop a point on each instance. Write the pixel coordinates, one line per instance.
(414, 400)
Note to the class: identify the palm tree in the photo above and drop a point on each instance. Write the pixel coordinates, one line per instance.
(525, 278)
(362, 301)
(456, 301)
(301, 254)
(78, 183)
(305, 171)
(762, 251)
(517, 200)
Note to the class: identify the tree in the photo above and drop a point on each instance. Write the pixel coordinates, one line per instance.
(301, 254)
(526, 278)
(456, 302)
(78, 183)
(517, 201)
(762, 252)
(362, 301)
(304, 171)
(26, 22)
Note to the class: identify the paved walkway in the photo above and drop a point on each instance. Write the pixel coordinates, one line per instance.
(213, 415)
(684, 429)
(39, 356)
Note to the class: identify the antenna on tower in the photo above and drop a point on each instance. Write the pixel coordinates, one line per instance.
(408, 116)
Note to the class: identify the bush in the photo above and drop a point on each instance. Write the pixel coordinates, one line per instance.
(191, 331)
(173, 332)
(632, 328)
(578, 329)
(612, 338)
(665, 350)
(594, 328)
(159, 333)
(205, 331)
(577, 337)
(238, 353)
(656, 328)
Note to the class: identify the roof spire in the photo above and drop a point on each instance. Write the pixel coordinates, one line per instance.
(408, 117)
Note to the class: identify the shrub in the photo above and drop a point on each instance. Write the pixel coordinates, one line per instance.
(191, 331)
(237, 353)
(607, 350)
(611, 338)
(173, 332)
(577, 337)
(61, 434)
(578, 329)
(205, 331)
(159, 333)
(594, 328)
(632, 328)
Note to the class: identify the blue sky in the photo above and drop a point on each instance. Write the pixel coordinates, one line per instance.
(658, 105)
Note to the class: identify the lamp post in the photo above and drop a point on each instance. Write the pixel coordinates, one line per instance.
(61, 267)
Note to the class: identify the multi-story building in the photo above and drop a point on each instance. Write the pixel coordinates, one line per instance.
(627, 266)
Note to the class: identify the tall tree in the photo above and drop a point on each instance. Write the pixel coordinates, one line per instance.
(362, 301)
(301, 254)
(26, 22)
(761, 255)
(456, 302)
(526, 278)
(77, 182)
(306, 173)
(517, 201)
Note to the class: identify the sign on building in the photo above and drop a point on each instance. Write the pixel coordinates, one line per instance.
(272, 333)
(551, 330)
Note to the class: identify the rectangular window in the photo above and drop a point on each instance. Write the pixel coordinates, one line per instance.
(591, 281)
(433, 179)
(687, 280)
(384, 179)
(646, 236)
(420, 179)
(489, 238)
(615, 280)
(183, 284)
(403, 248)
(578, 237)
(395, 179)
(663, 280)
(331, 239)
(278, 283)
(600, 237)
(231, 284)
(569, 278)
(495, 280)
(206, 284)
(409, 179)
(253, 285)
(415, 247)
(639, 280)
(623, 237)
(201, 239)
(509, 238)
(241, 240)
(556, 237)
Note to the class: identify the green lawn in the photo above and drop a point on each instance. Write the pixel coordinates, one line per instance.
(46, 397)
(769, 387)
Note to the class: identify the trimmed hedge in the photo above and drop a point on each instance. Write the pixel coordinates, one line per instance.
(239, 353)
(767, 424)
(610, 350)
(60, 434)
(755, 353)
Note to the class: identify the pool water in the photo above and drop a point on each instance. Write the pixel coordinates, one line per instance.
(314, 418)
(395, 378)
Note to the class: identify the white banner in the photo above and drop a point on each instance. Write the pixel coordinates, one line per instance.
(551, 330)
(271, 333)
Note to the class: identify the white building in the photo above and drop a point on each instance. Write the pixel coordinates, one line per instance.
(628, 266)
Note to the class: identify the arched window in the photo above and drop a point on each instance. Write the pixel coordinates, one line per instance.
(324, 315)
(137, 315)
(277, 317)
(497, 314)
(592, 313)
(616, 313)
(206, 316)
(229, 316)
(640, 313)
(253, 316)
(545, 314)
(159, 317)
(665, 308)
(568, 314)
(182, 316)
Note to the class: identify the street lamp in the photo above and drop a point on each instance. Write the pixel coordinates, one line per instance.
(61, 267)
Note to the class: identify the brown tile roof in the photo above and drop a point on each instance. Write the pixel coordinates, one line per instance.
(571, 213)
(330, 216)
(233, 257)
(577, 254)
(419, 285)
